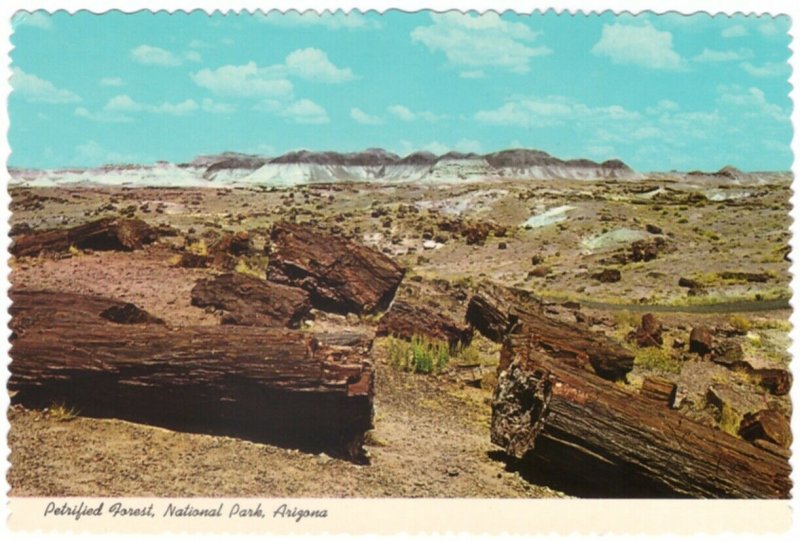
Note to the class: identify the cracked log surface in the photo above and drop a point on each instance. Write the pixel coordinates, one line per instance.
(405, 321)
(103, 234)
(341, 276)
(496, 312)
(264, 384)
(575, 426)
(246, 300)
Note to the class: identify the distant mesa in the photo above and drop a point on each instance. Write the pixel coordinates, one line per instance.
(371, 165)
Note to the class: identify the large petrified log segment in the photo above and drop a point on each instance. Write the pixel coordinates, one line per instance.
(251, 301)
(104, 234)
(30, 308)
(577, 426)
(340, 275)
(405, 320)
(496, 311)
(264, 384)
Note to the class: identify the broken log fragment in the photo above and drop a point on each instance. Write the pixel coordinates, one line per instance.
(264, 384)
(105, 234)
(659, 389)
(246, 300)
(768, 425)
(577, 428)
(496, 311)
(341, 276)
(405, 321)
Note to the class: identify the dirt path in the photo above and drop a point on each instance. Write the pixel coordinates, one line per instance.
(431, 440)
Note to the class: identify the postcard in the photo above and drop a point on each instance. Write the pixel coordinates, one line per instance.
(387, 271)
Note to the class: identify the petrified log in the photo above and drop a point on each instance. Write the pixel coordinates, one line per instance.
(659, 389)
(250, 301)
(30, 308)
(104, 234)
(496, 311)
(579, 428)
(404, 320)
(340, 275)
(264, 384)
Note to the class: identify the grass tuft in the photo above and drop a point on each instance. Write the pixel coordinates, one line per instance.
(62, 413)
(657, 359)
(420, 355)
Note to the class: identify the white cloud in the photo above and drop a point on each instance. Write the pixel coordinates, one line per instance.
(305, 112)
(774, 27)
(402, 112)
(480, 40)
(332, 21)
(193, 56)
(102, 115)
(364, 118)
(37, 19)
(735, 31)
(112, 81)
(215, 107)
(314, 65)
(246, 81)
(472, 74)
(713, 55)
(176, 109)
(198, 44)
(752, 103)
(552, 111)
(93, 153)
(155, 56)
(35, 89)
(119, 108)
(407, 115)
(643, 46)
(768, 69)
(297, 112)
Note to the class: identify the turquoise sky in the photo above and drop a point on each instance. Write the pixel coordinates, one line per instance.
(659, 92)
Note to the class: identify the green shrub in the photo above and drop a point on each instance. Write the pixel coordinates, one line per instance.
(420, 355)
(740, 323)
(657, 359)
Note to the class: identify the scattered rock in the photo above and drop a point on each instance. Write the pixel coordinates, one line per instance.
(776, 380)
(701, 340)
(769, 425)
(648, 334)
(728, 353)
(608, 276)
(653, 229)
(189, 260)
(539, 272)
(758, 277)
(689, 283)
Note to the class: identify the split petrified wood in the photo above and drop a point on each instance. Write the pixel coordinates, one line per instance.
(496, 311)
(573, 425)
(32, 308)
(340, 275)
(103, 234)
(264, 384)
(405, 320)
(247, 300)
